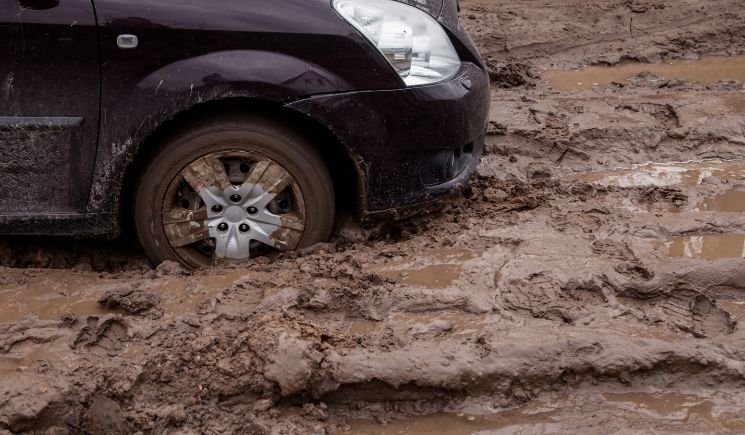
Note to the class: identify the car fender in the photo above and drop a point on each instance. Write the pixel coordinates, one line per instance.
(175, 88)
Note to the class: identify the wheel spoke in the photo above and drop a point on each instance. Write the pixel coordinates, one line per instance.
(177, 216)
(205, 173)
(281, 181)
(267, 180)
(292, 222)
(281, 232)
(184, 227)
(186, 233)
(288, 221)
(259, 235)
(257, 172)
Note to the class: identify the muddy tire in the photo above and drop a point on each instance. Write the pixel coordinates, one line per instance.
(233, 188)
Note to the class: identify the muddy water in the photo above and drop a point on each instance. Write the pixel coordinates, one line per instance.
(440, 268)
(48, 296)
(735, 104)
(53, 293)
(707, 70)
(457, 322)
(451, 424)
(709, 247)
(674, 405)
(433, 276)
(729, 201)
(686, 174)
(714, 412)
(735, 308)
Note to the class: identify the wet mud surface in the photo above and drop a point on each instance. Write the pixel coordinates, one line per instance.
(590, 279)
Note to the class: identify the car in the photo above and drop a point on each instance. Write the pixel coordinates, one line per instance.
(231, 128)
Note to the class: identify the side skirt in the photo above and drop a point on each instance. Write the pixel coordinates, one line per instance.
(58, 224)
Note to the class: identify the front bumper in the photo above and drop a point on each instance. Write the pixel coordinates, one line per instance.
(411, 145)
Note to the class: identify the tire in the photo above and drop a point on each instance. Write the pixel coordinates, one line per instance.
(183, 207)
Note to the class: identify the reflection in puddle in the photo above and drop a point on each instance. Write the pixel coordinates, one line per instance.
(433, 276)
(362, 326)
(707, 70)
(452, 254)
(48, 299)
(729, 201)
(709, 247)
(449, 424)
(581, 413)
(460, 424)
(736, 309)
(672, 405)
(60, 292)
(435, 268)
(735, 104)
(17, 360)
(687, 174)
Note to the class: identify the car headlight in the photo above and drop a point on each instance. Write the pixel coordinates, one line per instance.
(413, 42)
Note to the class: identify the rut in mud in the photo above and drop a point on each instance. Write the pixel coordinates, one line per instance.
(572, 287)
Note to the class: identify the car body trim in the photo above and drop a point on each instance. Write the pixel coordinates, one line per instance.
(52, 122)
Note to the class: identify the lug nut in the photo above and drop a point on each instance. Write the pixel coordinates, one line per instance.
(217, 208)
(235, 197)
(252, 210)
(222, 227)
(244, 228)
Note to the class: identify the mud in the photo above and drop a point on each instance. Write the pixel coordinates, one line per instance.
(707, 70)
(590, 279)
(565, 413)
(708, 247)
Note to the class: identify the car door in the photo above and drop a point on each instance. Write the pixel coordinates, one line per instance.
(49, 105)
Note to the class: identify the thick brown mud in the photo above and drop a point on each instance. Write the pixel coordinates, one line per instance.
(707, 70)
(565, 413)
(707, 247)
(590, 279)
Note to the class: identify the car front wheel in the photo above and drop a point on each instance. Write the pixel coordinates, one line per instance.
(233, 188)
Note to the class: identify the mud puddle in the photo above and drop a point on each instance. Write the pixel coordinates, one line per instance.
(686, 174)
(51, 294)
(454, 322)
(717, 174)
(434, 269)
(454, 424)
(735, 103)
(568, 413)
(735, 308)
(728, 201)
(528, 305)
(708, 247)
(706, 70)
(434, 276)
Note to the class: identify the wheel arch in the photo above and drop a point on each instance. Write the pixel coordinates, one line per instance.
(342, 165)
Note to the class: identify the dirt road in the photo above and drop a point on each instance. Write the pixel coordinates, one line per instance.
(574, 287)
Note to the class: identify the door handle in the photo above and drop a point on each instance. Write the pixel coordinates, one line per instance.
(38, 5)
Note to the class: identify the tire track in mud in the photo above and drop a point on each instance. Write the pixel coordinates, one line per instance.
(499, 338)
(536, 281)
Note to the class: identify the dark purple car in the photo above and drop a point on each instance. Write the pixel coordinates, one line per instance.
(227, 128)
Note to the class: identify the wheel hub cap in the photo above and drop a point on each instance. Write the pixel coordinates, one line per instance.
(235, 215)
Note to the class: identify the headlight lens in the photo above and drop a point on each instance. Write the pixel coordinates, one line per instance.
(413, 42)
